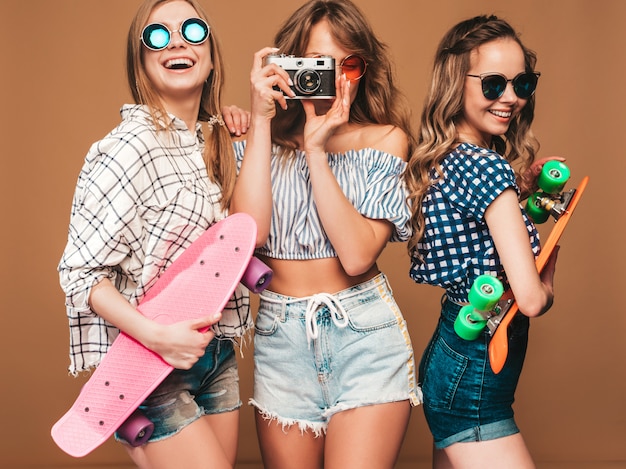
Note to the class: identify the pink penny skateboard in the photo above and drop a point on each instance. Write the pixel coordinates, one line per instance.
(199, 282)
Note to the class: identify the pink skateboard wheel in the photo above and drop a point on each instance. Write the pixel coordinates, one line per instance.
(136, 429)
(257, 276)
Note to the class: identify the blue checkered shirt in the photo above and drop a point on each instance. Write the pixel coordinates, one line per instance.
(142, 197)
(456, 246)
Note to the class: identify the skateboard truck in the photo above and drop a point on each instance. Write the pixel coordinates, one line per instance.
(493, 321)
(555, 205)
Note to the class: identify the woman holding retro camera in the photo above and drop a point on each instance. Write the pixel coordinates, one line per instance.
(334, 373)
(146, 191)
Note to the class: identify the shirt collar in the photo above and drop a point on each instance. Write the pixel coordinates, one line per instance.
(141, 111)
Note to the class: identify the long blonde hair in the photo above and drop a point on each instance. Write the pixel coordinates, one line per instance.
(218, 154)
(378, 100)
(444, 105)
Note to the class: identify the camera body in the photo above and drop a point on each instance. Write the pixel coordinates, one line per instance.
(312, 77)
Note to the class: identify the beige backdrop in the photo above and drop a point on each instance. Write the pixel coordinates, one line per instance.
(63, 82)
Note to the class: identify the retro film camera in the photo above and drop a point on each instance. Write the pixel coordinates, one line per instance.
(313, 77)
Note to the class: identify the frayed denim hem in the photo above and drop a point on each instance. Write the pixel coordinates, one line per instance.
(413, 401)
(317, 428)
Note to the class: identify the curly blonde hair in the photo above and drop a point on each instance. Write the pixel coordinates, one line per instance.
(438, 135)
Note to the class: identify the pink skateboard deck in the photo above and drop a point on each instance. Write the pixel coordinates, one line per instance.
(199, 282)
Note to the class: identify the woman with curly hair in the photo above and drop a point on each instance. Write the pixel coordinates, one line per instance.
(467, 221)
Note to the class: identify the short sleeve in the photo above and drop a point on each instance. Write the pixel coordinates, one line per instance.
(474, 179)
(386, 194)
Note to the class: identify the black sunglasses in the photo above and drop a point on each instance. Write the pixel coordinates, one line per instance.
(494, 84)
(157, 36)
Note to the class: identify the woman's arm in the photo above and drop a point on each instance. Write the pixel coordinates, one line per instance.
(253, 189)
(180, 344)
(357, 240)
(534, 293)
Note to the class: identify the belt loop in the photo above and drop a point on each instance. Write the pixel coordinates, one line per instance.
(386, 280)
(283, 310)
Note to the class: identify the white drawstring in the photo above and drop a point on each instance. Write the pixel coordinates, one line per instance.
(337, 313)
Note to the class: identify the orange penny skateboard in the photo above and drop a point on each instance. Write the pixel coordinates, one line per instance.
(199, 282)
(561, 206)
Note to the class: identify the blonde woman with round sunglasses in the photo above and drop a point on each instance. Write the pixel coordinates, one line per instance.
(147, 190)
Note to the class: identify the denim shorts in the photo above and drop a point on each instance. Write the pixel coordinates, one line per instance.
(319, 355)
(464, 401)
(211, 386)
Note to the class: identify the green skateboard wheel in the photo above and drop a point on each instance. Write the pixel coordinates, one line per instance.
(535, 210)
(486, 291)
(466, 327)
(484, 294)
(554, 174)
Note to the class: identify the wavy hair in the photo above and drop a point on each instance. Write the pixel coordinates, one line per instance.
(378, 100)
(218, 154)
(443, 106)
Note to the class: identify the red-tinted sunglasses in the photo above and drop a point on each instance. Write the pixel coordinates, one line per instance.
(353, 67)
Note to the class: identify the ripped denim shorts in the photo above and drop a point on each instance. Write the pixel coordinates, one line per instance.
(319, 355)
(210, 386)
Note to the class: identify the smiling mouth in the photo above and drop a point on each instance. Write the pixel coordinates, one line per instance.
(178, 64)
(501, 113)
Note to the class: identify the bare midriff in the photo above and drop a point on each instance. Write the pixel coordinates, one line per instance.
(299, 278)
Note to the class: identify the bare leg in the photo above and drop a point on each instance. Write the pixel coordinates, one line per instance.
(367, 437)
(226, 429)
(208, 443)
(505, 453)
(288, 448)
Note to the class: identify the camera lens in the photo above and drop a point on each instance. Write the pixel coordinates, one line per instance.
(307, 81)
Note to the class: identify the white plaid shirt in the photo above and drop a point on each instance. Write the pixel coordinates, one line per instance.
(141, 198)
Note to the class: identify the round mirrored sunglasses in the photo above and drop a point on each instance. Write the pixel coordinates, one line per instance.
(157, 36)
(494, 84)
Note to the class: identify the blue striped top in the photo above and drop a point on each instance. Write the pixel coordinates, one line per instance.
(370, 179)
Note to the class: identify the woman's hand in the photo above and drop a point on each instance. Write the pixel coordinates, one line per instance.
(180, 344)
(237, 120)
(318, 129)
(183, 343)
(263, 80)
